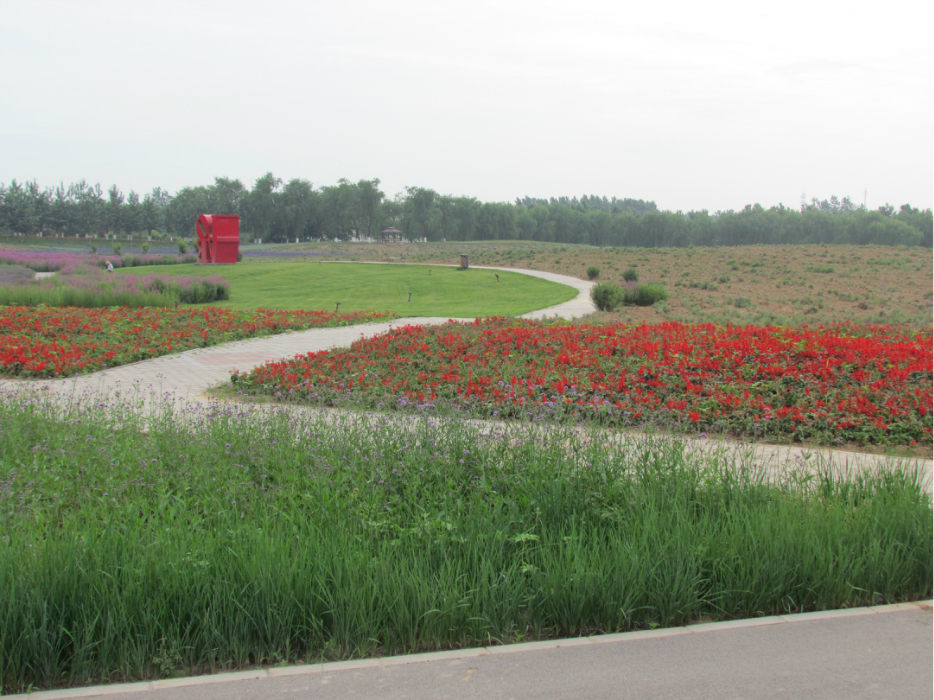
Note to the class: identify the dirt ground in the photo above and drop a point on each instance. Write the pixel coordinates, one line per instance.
(782, 285)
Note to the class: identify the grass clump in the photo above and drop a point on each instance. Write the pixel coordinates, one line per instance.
(609, 297)
(593, 272)
(644, 294)
(210, 538)
(606, 296)
(630, 275)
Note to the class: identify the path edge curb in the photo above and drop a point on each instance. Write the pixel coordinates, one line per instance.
(451, 654)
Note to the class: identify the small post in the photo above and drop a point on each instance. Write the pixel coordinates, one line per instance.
(337, 308)
(410, 296)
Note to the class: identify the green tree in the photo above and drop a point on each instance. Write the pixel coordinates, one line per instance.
(259, 208)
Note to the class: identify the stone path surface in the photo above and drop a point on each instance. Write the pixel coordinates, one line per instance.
(878, 653)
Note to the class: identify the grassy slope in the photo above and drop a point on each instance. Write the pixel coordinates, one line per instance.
(446, 291)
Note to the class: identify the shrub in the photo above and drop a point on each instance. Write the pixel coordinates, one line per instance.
(182, 247)
(644, 294)
(117, 248)
(145, 247)
(606, 296)
(630, 275)
(742, 302)
(200, 291)
(93, 248)
(239, 256)
(593, 272)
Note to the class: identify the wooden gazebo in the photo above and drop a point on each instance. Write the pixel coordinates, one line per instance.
(391, 235)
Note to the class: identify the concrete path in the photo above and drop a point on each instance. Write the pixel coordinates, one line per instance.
(883, 652)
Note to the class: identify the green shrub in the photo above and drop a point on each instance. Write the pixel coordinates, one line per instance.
(182, 247)
(606, 296)
(644, 294)
(742, 302)
(117, 248)
(204, 291)
(593, 272)
(145, 247)
(93, 248)
(630, 275)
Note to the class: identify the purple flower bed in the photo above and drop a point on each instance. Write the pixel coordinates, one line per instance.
(15, 275)
(59, 261)
(81, 283)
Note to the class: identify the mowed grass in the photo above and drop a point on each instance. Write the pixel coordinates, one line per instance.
(435, 290)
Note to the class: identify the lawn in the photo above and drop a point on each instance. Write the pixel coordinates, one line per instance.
(230, 537)
(435, 290)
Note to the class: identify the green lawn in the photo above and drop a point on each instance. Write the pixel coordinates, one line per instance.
(436, 290)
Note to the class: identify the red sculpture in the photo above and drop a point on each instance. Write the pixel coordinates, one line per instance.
(218, 238)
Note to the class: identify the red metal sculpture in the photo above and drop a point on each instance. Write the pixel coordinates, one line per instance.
(218, 238)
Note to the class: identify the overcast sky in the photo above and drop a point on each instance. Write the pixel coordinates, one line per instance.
(693, 105)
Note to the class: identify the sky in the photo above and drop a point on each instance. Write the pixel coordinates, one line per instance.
(700, 105)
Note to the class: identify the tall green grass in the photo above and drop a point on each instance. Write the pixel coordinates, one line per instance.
(51, 294)
(206, 538)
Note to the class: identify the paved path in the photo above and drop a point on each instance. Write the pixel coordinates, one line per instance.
(882, 652)
(189, 374)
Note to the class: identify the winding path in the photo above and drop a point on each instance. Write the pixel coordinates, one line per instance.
(186, 376)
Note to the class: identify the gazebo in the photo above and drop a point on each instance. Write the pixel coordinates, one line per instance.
(391, 235)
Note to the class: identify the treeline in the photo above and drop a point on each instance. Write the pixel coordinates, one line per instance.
(274, 211)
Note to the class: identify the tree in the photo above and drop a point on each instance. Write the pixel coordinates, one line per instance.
(133, 213)
(114, 209)
(368, 199)
(259, 207)
(226, 196)
(298, 213)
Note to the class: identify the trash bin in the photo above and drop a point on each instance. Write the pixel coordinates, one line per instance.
(218, 238)
(465, 261)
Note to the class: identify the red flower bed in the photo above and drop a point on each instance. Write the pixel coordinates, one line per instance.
(845, 383)
(53, 341)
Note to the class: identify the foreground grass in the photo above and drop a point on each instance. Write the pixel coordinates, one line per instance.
(435, 291)
(226, 537)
